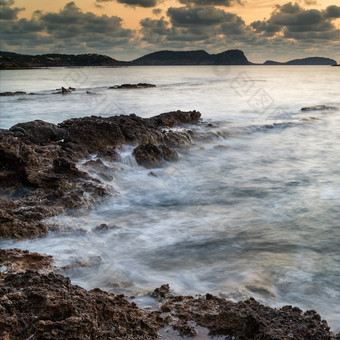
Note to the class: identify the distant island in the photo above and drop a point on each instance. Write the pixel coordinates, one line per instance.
(305, 61)
(10, 60)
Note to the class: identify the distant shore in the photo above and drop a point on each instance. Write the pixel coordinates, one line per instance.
(14, 61)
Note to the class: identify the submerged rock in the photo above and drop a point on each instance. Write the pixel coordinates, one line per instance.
(16, 93)
(132, 86)
(317, 108)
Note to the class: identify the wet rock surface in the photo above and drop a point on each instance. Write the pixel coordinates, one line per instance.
(244, 320)
(37, 306)
(13, 261)
(47, 306)
(152, 156)
(39, 171)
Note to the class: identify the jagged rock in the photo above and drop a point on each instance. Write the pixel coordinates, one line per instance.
(35, 306)
(40, 159)
(162, 293)
(39, 132)
(18, 261)
(246, 320)
(152, 156)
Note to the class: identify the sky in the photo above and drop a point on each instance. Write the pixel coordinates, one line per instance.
(127, 29)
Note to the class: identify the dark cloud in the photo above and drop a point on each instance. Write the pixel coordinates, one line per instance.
(226, 3)
(332, 12)
(134, 3)
(69, 31)
(157, 11)
(296, 22)
(7, 12)
(290, 30)
(196, 16)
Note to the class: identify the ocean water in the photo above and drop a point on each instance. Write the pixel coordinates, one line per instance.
(252, 209)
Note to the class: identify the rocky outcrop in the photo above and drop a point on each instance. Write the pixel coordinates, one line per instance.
(38, 132)
(38, 163)
(47, 306)
(13, 261)
(245, 320)
(152, 156)
(35, 306)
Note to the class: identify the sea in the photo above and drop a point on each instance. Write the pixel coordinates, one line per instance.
(251, 209)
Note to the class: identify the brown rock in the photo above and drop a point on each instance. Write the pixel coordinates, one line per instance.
(152, 156)
(50, 307)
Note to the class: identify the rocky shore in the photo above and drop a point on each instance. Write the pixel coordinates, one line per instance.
(48, 169)
(39, 177)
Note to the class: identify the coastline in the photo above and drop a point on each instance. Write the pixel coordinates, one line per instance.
(42, 158)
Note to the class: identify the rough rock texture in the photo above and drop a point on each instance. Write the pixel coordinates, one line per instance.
(18, 261)
(245, 320)
(152, 156)
(39, 175)
(35, 306)
(47, 306)
(38, 132)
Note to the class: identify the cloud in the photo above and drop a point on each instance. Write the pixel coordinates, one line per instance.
(68, 31)
(8, 13)
(157, 11)
(332, 12)
(226, 3)
(134, 3)
(310, 2)
(289, 30)
(295, 22)
(196, 16)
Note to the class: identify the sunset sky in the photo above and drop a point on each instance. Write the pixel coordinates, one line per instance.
(127, 29)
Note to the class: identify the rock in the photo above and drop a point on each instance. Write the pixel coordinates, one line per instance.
(245, 320)
(152, 156)
(35, 306)
(39, 132)
(39, 159)
(104, 228)
(162, 293)
(16, 93)
(317, 108)
(109, 153)
(170, 119)
(18, 261)
(132, 86)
